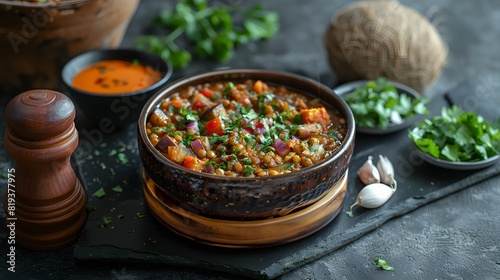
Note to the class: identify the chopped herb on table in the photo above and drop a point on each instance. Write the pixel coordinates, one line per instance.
(212, 31)
(99, 193)
(457, 136)
(378, 105)
(383, 264)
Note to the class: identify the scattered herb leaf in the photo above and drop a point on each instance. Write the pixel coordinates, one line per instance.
(5, 175)
(122, 158)
(140, 215)
(100, 193)
(349, 213)
(90, 208)
(106, 220)
(383, 264)
(121, 216)
(118, 189)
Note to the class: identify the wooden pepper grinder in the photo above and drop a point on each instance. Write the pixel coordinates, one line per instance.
(49, 199)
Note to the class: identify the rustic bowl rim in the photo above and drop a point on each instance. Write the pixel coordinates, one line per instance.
(42, 5)
(156, 98)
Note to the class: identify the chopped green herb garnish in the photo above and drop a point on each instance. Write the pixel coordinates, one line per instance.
(122, 158)
(187, 140)
(112, 152)
(100, 193)
(247, 161)
(378, 104)
(168, 129)
(216, 138)
(229, 87)
(105, 222)
(383, 264)
(297, 119)
(457, 136)
(140, 215)
(118, 189)
(189, 116)
(248, 170)
(90, 208)
(121, 216)
(248, 113)
(5, 175)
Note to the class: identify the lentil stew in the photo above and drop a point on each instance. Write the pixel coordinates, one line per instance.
(248, 129)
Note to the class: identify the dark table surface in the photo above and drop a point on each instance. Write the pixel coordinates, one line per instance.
(456, 237)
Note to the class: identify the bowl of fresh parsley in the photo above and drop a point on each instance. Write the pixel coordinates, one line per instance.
(457, 140)
(381, 106)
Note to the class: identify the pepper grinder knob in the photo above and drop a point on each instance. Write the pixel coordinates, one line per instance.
(49, 203)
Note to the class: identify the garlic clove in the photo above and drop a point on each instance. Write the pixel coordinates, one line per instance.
(373, 196)
(368, 173)
(386, 171)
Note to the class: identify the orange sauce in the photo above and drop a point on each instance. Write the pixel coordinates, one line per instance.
(115, 76)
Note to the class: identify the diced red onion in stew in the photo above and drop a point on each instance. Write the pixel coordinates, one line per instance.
(192, 126)
(196, 145)
(281, 148)
(164, 142)
(209, 168)
(260, 130)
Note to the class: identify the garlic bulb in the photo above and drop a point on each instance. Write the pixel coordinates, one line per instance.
(373, 196)
(368, 173)
(386, 171)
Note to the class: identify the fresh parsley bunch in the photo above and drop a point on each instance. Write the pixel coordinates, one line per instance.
(213, 32)
(378, 104)
(457, 136)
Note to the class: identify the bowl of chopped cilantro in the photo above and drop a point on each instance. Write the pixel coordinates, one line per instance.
(457, 140)
(381, 106)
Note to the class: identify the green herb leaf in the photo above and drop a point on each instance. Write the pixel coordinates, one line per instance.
(100, 193)
(140, 215)
(383, 264)
(118, 189)
(248, 170)
(122, 158)
(210, 31)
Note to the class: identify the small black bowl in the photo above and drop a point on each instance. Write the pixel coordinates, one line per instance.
(119, 110)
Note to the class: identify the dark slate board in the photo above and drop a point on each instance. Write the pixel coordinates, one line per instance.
(144, 240)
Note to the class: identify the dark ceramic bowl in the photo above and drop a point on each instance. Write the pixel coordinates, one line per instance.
(349, 87)
(246, 198)
(120, 110)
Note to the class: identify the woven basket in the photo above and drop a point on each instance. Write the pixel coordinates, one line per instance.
(374, 39)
